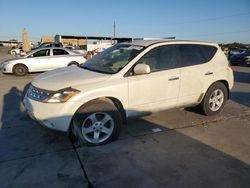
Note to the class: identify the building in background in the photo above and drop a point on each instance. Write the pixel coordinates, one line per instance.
(9, 43)
(48, 39)
(89, 43)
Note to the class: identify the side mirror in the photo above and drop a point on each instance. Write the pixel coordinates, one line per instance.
(141, 69)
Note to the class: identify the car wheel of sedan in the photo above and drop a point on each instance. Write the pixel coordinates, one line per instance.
(214, 99)
(20, 70)
(73, 64)
(99, 122)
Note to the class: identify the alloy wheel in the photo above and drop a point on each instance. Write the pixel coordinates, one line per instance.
(97, 127)
(216, 100)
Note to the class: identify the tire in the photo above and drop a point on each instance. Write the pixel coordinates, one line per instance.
(73, 63)
(20, 70)
(215, 99)
(97, 123)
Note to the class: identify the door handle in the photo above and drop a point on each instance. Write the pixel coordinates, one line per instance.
(208, 73)
(173, 78)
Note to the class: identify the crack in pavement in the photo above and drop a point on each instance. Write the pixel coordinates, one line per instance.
(90, 184)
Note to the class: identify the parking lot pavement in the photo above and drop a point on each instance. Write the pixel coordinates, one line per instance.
(57, 169)
(174, 148)
(192, 157)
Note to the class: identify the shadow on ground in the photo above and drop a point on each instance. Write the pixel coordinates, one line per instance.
(242, 98)
(242, 77)
(12, 110)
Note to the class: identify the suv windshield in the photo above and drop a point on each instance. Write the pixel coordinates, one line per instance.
(113, 59)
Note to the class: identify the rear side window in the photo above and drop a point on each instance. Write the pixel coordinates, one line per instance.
(59, 52)
(208, 51)
(191, 55)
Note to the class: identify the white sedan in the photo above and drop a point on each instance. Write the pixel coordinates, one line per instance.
(39, 60)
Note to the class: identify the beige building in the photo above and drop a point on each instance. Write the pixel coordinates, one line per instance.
(48, 39)
(67, 41)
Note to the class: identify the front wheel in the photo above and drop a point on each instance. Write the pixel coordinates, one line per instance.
(215, 99)
(20, 70)
(99, 122)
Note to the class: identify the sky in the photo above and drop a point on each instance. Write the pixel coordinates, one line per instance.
(220, 21)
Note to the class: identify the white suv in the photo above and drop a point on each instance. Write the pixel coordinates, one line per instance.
(130, 79)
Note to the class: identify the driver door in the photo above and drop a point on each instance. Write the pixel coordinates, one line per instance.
(40, 60)
(160, 88)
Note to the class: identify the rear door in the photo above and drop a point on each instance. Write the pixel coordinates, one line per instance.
(60, 58)
(196, 72)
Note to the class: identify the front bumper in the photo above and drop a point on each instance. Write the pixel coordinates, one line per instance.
(6, 68)
(55, 116)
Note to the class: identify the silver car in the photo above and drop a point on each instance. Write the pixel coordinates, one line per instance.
(40, 60)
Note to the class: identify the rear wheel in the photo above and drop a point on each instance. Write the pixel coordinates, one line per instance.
(20, 70)
(215, 99)
(99, 122)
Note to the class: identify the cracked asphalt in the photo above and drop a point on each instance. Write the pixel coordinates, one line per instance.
(174, 148)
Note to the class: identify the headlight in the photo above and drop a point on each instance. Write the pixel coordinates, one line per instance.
(5, 63)
(62, 95)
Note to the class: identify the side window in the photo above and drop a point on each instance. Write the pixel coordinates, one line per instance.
(191, 55)
(46, 45)
(208, 51)
(161, 58)
(59, 52)
(57, 45)
(41, 53)
(247, 52)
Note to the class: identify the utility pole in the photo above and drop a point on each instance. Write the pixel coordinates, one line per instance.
(114, 29)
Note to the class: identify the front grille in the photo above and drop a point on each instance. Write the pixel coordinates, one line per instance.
(37, 94)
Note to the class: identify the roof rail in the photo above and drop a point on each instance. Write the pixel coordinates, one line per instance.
(165, 38)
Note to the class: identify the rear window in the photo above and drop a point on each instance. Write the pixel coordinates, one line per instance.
(208, 51)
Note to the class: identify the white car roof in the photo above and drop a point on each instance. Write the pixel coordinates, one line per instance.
(45, 48)
(146, 43)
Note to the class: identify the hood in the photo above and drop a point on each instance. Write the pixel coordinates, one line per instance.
(13, 59)
(67, 77)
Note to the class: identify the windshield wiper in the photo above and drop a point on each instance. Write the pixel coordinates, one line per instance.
(94, 70)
